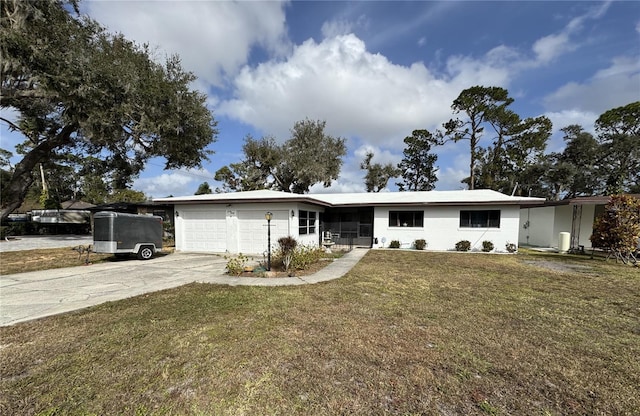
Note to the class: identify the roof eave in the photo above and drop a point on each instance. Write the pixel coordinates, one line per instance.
(241, 201)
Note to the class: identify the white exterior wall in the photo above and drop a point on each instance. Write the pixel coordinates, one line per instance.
(546, 223)
(235, 227)
(563, 217)
(586, 225)
(540, 229)
(442, 228)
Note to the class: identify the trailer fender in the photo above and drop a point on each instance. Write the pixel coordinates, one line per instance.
(145, 250)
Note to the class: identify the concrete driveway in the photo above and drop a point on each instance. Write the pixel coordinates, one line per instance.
(32, 295)
(29, 242)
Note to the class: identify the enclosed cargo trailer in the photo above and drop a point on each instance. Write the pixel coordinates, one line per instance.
(122, 234)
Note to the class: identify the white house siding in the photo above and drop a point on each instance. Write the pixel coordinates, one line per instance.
(561, 222)
(238, 228)
(442, 228)
(586, 225)
(537, 227)
(546, 223)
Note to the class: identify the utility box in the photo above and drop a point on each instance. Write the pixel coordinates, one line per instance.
(564, 242)
(123, 234)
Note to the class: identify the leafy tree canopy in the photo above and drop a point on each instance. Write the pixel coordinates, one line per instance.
(310, 156)
(618, 133)
(81, 91)
(203, 189)
(416, 167)
(604, 164)
(378, 175)
(477, 105)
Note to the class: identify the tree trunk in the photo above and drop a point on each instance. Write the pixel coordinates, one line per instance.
(22, 176)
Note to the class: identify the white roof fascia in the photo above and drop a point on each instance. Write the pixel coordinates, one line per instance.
(466, 197)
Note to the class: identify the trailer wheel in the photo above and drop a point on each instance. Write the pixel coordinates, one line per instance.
(145, 252)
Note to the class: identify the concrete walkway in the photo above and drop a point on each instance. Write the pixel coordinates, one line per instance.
(32, 295)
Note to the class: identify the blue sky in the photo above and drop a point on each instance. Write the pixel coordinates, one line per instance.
(376, 70)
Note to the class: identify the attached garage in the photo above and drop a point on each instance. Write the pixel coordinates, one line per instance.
(234, 228)
(204, 230)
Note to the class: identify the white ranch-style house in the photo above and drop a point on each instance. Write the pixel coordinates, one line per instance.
(236, 223)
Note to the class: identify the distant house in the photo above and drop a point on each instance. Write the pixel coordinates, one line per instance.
(145, 208)
(235, 222)
(541, 225)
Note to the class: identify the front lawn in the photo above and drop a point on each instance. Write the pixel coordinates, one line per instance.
(405, 332)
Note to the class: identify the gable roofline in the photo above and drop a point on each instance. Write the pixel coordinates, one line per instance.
(392, 199)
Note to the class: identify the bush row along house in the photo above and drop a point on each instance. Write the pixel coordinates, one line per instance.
(236, 222)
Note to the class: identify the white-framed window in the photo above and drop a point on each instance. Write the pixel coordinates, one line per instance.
(406, 218)
(306, 222)
(489, 218)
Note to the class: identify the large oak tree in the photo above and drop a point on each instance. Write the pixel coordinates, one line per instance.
(80, 90)
(309, 157)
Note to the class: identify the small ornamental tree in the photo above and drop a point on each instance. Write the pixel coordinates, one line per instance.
(287, 247)
(618, 228)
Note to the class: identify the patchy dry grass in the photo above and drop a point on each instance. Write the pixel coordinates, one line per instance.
(44, 259)
(403, 333)
(52, 258)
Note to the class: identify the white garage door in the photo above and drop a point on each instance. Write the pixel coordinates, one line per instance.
(253, 230)
(205, 231)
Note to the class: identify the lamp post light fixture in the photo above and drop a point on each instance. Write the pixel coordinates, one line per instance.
(268, 217)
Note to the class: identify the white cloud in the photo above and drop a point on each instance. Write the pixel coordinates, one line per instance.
(358, 93)
(449, 179)
(457, 168)
(615, 86)
(552, 46)
(564, 119)
(177, 183)
(379, 155)
(339, 26)
(213, 38)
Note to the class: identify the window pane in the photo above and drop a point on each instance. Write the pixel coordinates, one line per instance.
(406, 218)
(480, 219)
(418, 219)
(393, 219)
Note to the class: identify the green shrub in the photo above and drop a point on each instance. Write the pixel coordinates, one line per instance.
(394, 244)
(420, 244)
(236, 265)
(487, 246)
(511, 247)
(463, 245)
(304, 256)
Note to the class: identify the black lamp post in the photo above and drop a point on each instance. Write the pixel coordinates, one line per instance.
(268, 216)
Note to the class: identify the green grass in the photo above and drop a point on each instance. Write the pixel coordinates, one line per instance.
(405, 332)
